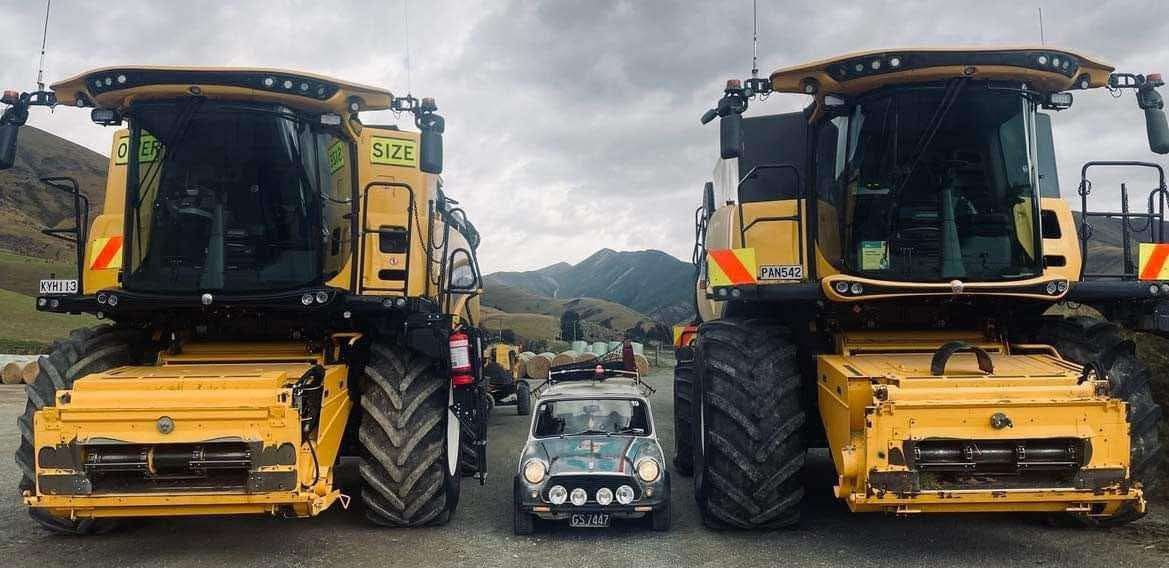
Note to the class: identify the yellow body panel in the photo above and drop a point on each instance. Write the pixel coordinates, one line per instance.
(238, 392)
(878, 394)
(67, 90)
(792, 79)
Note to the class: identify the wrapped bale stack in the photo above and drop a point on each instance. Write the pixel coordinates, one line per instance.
(539, 365)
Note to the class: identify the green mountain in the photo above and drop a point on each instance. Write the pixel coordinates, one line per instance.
(649, 281)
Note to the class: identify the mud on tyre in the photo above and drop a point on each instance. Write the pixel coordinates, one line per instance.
(409, 476)
(749, 437)
(684, 417)
(1087, 340)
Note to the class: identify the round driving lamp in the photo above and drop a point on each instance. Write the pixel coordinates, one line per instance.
(625, 494)
(648, 470)
(558, 495)
(604, 496)
(578, 497)
(534, 471)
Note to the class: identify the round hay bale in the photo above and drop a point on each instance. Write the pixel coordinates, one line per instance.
(12, 373)
(29, 374)
(580, 345)
(600, 347)
(521, 366)
(586, 357)
(539, 365)
(565, 358)
(642, 363)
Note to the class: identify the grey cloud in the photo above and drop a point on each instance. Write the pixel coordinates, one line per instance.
(573, 125)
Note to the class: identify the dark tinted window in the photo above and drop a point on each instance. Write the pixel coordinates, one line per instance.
(768, 141)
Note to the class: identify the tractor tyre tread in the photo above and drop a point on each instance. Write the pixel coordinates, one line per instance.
(748, 475)
(1084, 340)
(403, 440)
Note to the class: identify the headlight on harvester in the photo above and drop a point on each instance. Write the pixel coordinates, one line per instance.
(648, 470)
(534, 471)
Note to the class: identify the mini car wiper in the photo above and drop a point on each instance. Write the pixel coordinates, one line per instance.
(638, 431)
(588, 432)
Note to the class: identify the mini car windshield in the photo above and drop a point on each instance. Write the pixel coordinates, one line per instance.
(584, 417)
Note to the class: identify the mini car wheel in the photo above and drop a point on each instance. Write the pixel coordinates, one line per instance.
(523, 398)
(524, 522)
(660, 518)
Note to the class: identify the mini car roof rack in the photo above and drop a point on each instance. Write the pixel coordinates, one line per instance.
(595, 373)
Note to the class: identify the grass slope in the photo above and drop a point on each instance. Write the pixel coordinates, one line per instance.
(21, 274)
(25, 330)
(600, 312)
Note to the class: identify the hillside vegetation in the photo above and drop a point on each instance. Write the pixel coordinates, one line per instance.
(600, 312)
(650, 282)
(27, 205)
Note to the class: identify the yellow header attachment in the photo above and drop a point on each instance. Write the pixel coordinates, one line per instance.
(1043, 68)
(118, 87)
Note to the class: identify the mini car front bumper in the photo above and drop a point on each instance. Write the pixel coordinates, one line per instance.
(651, 497)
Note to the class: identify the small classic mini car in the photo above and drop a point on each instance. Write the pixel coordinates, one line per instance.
(592, 453)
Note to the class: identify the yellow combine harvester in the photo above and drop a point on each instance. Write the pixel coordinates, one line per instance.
(874, 275)
(286, 286)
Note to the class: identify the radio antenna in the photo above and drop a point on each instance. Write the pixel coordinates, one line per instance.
(406, 17)
(754, 39)
(1042, 37)
(44, 38)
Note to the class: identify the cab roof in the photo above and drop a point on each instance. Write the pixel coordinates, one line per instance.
(1044, 68)
(119, 87)
(608, 388)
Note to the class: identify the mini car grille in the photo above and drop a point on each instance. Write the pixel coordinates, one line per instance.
(591, 483)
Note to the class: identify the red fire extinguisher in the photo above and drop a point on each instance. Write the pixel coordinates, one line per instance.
(461, 374)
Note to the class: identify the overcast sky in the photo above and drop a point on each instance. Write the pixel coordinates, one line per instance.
(573, 126)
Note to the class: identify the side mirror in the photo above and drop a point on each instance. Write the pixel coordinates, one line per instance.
(730, 130)
(1150, 101)
(1158, 130)
(432, 126)
(8, 134)
(431, 161)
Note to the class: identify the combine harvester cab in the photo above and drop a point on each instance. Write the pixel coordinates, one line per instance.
(876, 274)
(287, 288)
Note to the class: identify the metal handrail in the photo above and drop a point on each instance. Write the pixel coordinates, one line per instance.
(80, 228)
(1154, 216)
(797, 218)
(363, 230)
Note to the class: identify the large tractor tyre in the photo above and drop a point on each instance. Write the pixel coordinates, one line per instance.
(85, 351)
(409, 440)
(684, 418)
(1087, 340)
(523, 398)
(749, 445)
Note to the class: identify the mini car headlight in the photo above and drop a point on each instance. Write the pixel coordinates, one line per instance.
(625, 494)
(648, 470)
(557, 495)
(604, 496)
(534, 471)
(578, 497)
